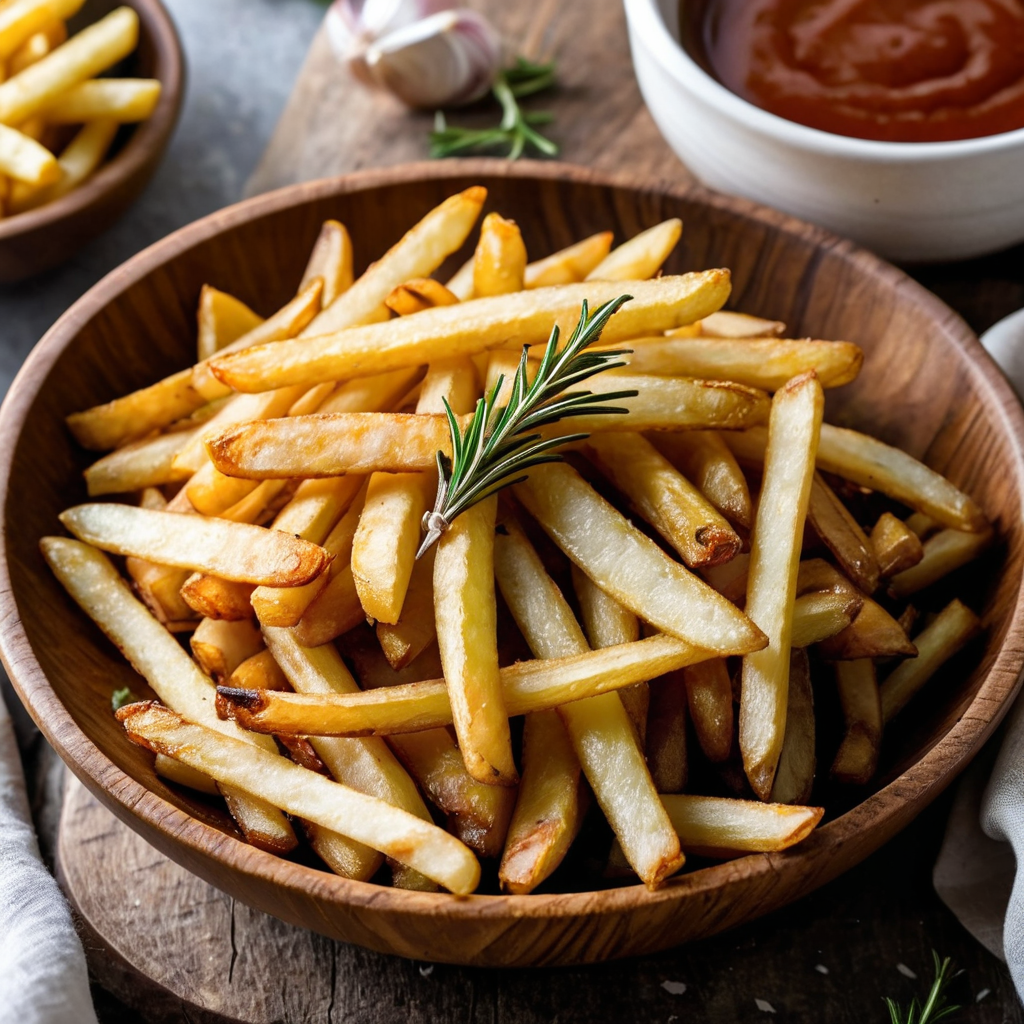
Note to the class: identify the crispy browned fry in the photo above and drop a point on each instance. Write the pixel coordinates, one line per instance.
(704, 459)
(895, 544)
(907, 619)
(709, 699)
(415, 630)
(820, 615)
(942, 553)
(665, 498)
(727, 324)
(159, 587)
(666, 733)
(842, 536)
(874, 633)
(419, 294)
(870, 463)
(954, 626)
(523, 318)
(220, 646)
(146, 463)
(331, 261)
(526, 686)
(335, 610)
(711, 825)
(795, 776)
(260, 672)
(221, 319)
(499, 261)
(366, 819)
(641, 256)
(774, 565)
(629, 566)
(233, 551)
(569, 265)
(815, 575)
(857, 757)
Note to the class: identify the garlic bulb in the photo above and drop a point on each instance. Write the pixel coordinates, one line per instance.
(426, 57)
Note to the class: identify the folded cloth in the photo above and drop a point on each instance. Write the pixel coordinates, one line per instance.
(43, 978)
(976, 874)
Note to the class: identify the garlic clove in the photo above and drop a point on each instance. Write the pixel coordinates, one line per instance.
(447, 59)
(352, 25)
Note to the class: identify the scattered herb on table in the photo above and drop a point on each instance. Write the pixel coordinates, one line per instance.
(935, 1007)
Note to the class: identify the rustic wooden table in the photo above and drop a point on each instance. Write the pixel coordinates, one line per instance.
(163, 946)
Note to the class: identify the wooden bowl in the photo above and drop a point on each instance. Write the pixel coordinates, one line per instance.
(927, 385)
(40, 239)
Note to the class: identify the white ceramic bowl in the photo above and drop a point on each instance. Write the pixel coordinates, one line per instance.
(923, 201)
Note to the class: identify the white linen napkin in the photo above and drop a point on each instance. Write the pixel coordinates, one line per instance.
(975, 874)
(43, 978)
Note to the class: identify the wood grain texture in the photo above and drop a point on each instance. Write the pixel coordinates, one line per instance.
(334, 125)
(926, 385)
(42, 238)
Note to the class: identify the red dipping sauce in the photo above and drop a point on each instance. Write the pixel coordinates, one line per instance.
(895, 70)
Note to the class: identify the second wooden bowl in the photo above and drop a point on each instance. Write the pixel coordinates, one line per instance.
(927, 385)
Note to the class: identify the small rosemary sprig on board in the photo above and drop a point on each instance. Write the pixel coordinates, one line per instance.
(935, 1007)
(499, 446)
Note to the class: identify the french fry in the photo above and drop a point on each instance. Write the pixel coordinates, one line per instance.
(954, 626)
(727, 324)
(379, 825)
(709, 700)
(34, 49)
(774, 564)
(415, 630)
(22, 19)
(499, 262)
(220, 647)
(24, 159)
(705, 460)
(221, 318)
(818, 616)
(523, 318)
(526, 687)
(895, 544)
(666, 733)
(259, 672)
(95, 585)
(857, 758)
(569, 265)
(180, 774)
(466, 617)
(139, 464)
(711, 825)
(629, 566)
(419, 294)
(665, 498)
(159, 588)
(331, 261)
(874, 633)
(759, 363)
(124, 100)
(842, 535)
(233, 551)
(94, 49)
(214, 598)
(942, 554)
(642, 256)
(867, 461)
(794, 778)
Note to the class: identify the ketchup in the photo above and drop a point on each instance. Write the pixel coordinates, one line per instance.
(895, 70)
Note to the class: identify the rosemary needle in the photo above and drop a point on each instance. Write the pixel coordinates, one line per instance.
(935, 1007)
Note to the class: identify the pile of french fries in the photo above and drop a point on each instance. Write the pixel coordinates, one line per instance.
(57, 118)
(574, 647)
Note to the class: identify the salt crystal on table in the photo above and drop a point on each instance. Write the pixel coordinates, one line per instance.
(764, 1006)
(981, 995)
(675, 988)
(821, 968)
(427, 971)
(905, 971)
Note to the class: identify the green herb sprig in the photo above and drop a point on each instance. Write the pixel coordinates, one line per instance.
(935, 1006)
(499, 446)
(517, 129)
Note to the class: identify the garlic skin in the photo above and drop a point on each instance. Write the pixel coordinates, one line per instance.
(426, 57)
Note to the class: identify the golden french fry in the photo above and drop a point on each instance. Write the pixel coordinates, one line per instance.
(709, 699)
(794, 778)
(95, 585)
(857, 757)
(124, 100)
(419, 294)
(760, 363)
(466, 617)
(94, 49)
(874, 633)
(24, 159)
(159, 588)
(499, 262)
(335, 610)
(259, 672)
(180, 774)
(220, 646)
(774, 563)
(818, 616)
(705, 460)
(665, 498)
(140, 464)
(895, 544)
(214, 598)
(710, 825)
(233, 551)
(34, 49)
(22, 19)
(642, 256)
(569, 265)
(415, 630)
(726, 324)
(526, 686)
(366, 819)
(331, 261)
(222, 319)
(842, 536)
(942, 554)
(666, 734)
(629, 566)
(523, 318)
(954, 626)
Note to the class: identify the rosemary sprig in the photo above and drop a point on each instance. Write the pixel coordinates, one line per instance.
(517, 129)
(935, 1007)
(499, 446)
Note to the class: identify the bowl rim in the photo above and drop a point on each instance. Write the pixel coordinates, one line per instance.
(646, 21)
(140, 806)
(147, 137)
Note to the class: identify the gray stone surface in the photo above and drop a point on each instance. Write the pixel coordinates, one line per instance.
(243, 56)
